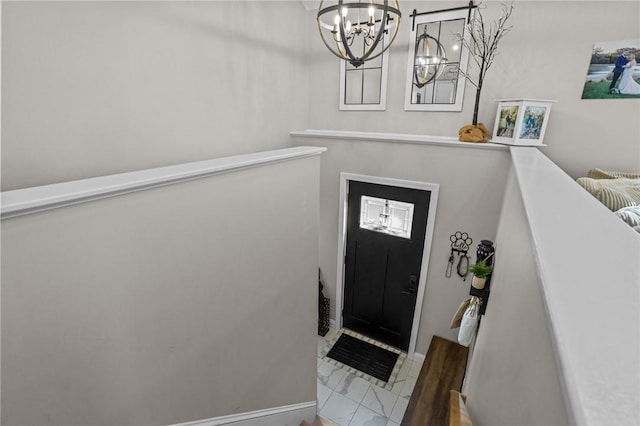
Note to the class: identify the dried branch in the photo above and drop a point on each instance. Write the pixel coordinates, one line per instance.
(482, 43)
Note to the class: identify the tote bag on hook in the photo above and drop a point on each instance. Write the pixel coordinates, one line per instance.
(469, 323)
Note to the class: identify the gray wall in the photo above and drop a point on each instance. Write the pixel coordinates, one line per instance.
(96, 88)
(541, 58)
(512, 378)
(103, 87)
(180, 303)
(471, 187)
(166, 306)
(546, 56)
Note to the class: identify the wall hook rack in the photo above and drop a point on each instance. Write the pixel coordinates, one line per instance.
(460, 243)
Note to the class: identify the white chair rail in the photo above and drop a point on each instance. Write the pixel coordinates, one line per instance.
(31, 200)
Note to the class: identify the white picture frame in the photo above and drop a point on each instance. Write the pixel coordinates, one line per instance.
(521, 121)
(446, 92)
(373, 97)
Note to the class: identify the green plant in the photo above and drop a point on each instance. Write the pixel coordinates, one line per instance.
(480, 269)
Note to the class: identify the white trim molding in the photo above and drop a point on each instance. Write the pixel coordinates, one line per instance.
(31, 200)
(448, 141)
(426, 251)
(287, 415)
(419, 357)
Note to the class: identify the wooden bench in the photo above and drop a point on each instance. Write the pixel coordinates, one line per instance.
(458, 415)
(442, 371)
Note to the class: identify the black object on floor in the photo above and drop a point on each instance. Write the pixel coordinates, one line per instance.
(363, 356)
(323, 310)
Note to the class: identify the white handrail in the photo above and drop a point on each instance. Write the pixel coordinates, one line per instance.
(36, 199)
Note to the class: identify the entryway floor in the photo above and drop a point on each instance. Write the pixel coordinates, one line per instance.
(348, 400)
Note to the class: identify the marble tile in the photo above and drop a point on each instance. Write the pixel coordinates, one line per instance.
(323, 345)
(397, 385)
(353, 387)
(339, 409)
(398, 410)
(404, 369)
(323, 395)
(331, 334)
(408, 386)
(414, 370)
(380, 400)
(330, 375)
(320, 345)
(392, 423)
(366, 417)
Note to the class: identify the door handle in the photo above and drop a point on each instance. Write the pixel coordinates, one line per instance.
(413, 285)
(413, 282)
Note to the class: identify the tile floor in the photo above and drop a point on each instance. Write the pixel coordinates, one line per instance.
(348, 400)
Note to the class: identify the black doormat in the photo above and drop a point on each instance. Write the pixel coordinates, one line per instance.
(364, 356)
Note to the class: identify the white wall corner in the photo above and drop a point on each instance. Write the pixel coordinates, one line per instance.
(417, 357)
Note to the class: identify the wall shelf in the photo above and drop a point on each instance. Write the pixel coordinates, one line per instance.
(395, 138)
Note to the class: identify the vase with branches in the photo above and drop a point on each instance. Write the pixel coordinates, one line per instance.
(482, 43)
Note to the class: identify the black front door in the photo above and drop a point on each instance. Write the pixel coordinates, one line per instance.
(385, 237)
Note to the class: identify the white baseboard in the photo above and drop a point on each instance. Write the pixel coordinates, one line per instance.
(418, 357)
(288, 415)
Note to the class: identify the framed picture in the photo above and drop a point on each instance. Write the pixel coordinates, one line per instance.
(613, 72)
(521, 121)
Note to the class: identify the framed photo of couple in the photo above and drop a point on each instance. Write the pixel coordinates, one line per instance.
(521, 121)
(614, 70)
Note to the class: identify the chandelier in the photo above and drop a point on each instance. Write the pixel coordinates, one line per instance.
(429, 59)
(371, 24)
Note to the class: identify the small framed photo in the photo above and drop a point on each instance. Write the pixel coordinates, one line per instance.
(521, 121)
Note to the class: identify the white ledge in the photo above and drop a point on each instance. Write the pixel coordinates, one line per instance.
(395, 137)
(590, 289)
(31, 200)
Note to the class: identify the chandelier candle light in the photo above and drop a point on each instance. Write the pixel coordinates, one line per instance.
(430, 58)
(371, 22)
